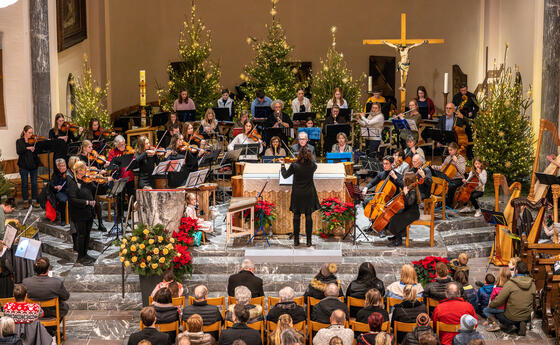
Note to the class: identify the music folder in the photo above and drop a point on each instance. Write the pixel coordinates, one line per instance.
(262, 112)
(28, 248)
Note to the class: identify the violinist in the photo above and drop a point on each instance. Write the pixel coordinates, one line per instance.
(456, 180)
(399, 165)
(28, 163)
(58, 188)
(275, 148)
(411, 148)
(398, 223)
(176, 151)
(174, 129)
(62, 137)
(97, 135)
(395, 177)
(209, 126)
(249, 136)
(194, 139)
(479, 171)
(278, 118)
(80, 208)
(119, 158)
(424, 175)
(145, 158)
(173, 120)
(86, 154)
(468, 100)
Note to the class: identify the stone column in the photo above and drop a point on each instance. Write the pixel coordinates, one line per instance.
(40, 65)
(551, 72)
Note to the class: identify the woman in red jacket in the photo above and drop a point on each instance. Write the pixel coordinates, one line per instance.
(425, 104)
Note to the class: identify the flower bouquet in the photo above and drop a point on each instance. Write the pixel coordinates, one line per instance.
(335, 214)
(184, 238)
(426, 268)
(269, 213)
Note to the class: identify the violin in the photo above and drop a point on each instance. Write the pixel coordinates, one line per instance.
(196, 137)
(391, 208)
(254, 135)
(158, 151)
(35, 139)
(191, 148)
(128, 150)
(99, 179)
(383, 193)
(464, 192)
(94, 156)
(103, 132)
(67, 126)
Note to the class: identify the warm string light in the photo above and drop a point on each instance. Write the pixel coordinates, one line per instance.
(89, 98)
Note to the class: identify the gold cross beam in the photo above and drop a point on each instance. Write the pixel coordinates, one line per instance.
(403, 40)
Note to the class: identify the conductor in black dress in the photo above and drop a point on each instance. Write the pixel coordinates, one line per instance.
(398, 223)
(304, 198)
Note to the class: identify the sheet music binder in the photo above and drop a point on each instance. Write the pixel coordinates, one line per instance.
(314, 133)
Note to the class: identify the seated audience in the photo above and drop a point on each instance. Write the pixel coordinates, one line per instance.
(467, 331)
(246, 277)
(243, 297)
(504, 275)
(287, 306)
(460, 264)
(384, 339)
(337, 320)
(210, 313)
(289, 337)
(469, 293)
(8, 332)
(194, 332)
(366, 280)
(422, 327)
(477, 342)
(322, 311)
(375, 321)
(408, 277)
(336, 341)
(181, 340)
(517, 294)
(326, 275)
(41, 287)
(436, 289)
(166, 312)
(484, 292)
(168, 278)
(373, 304)
(408, 310)
(428, 339)
(174, 288)
(150, 333)
(20, 310)
(240, 330)
(284, 323)
(450, 311)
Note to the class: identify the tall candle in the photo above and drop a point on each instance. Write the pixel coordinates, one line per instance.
(370, 84)
(445, 80)
(142, 88)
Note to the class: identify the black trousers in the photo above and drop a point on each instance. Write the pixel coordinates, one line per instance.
(453, 185)
(308, 225)
(473, 198)
(83, 229)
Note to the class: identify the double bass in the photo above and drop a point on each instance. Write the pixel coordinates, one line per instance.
(460, 132)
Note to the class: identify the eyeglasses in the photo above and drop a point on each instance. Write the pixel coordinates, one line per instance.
(449, 107)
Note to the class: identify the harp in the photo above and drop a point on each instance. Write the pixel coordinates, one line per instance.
(538, 190)
(503, 244)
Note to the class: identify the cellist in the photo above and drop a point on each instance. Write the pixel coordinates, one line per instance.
(398, 223)
(456, 180)
(480, 172)
(424, 176)
(411, 148)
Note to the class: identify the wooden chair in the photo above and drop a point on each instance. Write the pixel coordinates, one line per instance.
(52, 321)
(272, 301)
(259, 326)
(177, 301)
(405, 327)
(311, 301)
(110, 201)
(355, 302)
(165, 327)
(426, 219)
(391, 301)
(445, 327)
(271, 327)
(217, 301)
(254, 300)
(431, 303)
(364, 327)
(444, 185)
(215, 327)
(3, 301)
(313, 326)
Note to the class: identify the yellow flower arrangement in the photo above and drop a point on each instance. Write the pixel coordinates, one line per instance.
(133, 248)
(154, 266)
(162, 259)
(160, 239)
(133, 238)
(124, 251)
(142, 265)
(142, 246)
(149, 258)
(127, 263)
(134, 259)
(151, 241)
(156, 251)
(146, 231)
(122, 259)
(165, 251)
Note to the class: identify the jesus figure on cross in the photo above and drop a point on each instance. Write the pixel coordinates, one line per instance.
(404, 63)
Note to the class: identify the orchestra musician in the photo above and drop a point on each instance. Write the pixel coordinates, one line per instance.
(398, 223)
(303, 141)
(249, 136)
(303, 198)
(80, 208)
(226, 102)
(98, 141)
(174, 129)
(376, 97)
(244, 117)
(411, 148)
(374, 122)
(333, 119)
(145, 159)
(341, 144)
(118, 158)
(261, 100)
(61, 139)
(28, 164)
(301, 104)
(425, 175)
(278, 118)
(457, 180)
(208, 126)
(337, 99)
(480, 171)
(395, 177)
(190, 139)
(470, 108)
(426, 106)
(275, 148)
(173, 120)
(183, 102)
(58, 189)
(414, 116)
(399, 165)
(176, 151)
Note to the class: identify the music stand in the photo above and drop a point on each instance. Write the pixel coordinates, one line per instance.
(117, 193)
(547, 179)
(248, 150)
(440, 136)
(356, 195)
(159, 119)
(261, 227)
(262, 112)
(227, 162)
(222, 114)
(304, 116)
(343, 113)
(496, 219)
(186, 115)
(274, 132)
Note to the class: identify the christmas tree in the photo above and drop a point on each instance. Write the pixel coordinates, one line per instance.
(196, 72)
(334, 73)
(270, 70)
(503, 135)
(90, 99)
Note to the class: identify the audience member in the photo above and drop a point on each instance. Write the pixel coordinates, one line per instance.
(366, 280)
(8, 334)
(383, 339)
(408, 310)
(182, 340)
(450, 311)
(243, 298)
(375, 321)
(284, 323)
(145, 342)
(460, 264)
(422, 327)
(168, 278)
(290, 337)
(322, 311)
(504, 275)
(194, 332)
(467, 331)
(20, 310)
(41, 287)
(436, 289)
(373, 304)
(428, 339)
(477, 342)
(336, 341)
(326, 275)
(174, 288)
(210, 313)
(239, 342)
(408, 277)
(287, 306)
(337, 320)
(469, 293)
(240, 330)
(518, 295)
(148, 318)
(166, 312)
(246, 277)
(484, 292)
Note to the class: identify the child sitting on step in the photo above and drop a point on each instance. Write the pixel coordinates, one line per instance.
(460, 264)
(484, 292)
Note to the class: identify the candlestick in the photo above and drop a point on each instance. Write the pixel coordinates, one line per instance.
(445, 77)
(445, 99)
(370, 84)
(142, 88)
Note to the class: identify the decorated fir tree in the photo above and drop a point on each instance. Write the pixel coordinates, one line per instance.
(270, 70)
(195, 73)
(503, 135)
(334, 73)
(90, 99)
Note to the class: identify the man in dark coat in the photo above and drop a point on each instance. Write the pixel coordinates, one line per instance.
(210, 313)
(246, 277)
(322, 311)
(148, 317)
(41, 287)
(287, 306)
(240, 330)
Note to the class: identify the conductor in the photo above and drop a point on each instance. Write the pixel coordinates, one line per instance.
(304, 196)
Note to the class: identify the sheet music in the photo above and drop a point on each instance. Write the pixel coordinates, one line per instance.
(368, 132)
(9, 236)
(412, 125)
(285, 181)
(28, 248)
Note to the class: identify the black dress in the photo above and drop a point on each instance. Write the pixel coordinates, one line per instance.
(145, 165)
(304, 197)
(59, 146)
(81, 214)
(397, 225)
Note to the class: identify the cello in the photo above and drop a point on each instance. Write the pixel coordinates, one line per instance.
(448, 170)
(464, 192)
(383, 192)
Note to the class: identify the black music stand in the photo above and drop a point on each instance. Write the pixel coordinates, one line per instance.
(227, 162)
(274, 132)
(222, 114)
(496, 218)
(343, 113)
(304, 116)
(208, 159)
(186, 115)
(251, 149)
(331, 131)
(262, 112)
(261, 227)
(356, 195)
(159, 119)
(117, 193)
(443, 137)
(547, 179)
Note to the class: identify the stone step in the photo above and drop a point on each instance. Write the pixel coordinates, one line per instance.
(465, 222)
(466, 236)
(473, 250)
(57, 247)
(105, 301)
(98, 240)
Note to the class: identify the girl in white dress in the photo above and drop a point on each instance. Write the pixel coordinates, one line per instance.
(204, 225)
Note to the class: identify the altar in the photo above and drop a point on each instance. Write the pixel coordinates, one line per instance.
(328, 178)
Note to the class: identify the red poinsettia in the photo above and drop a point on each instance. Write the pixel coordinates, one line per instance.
(426, 268)
(335, 213)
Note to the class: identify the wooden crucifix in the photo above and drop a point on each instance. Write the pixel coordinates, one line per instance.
(401, 46)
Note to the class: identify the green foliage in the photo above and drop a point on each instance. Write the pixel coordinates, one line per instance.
(503, 135)
(270, 70)
(197, 74)
(90, 99)
(334, 72)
